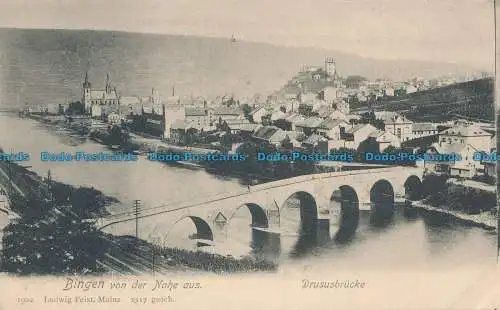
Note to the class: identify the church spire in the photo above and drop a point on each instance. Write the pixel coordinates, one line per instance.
(86, 83)
(108, 83)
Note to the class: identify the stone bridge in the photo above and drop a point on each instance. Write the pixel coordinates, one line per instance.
(315, 199)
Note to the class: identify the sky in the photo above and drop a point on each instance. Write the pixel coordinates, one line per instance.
(458, 31)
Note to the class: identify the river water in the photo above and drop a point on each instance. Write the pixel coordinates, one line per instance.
(404, 243)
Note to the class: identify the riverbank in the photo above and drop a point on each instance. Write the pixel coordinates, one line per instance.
(138, 143)
(128, 255)
(485, 220)
(31, 188)
(56, 240)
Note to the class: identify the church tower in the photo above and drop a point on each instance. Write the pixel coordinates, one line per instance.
(108, 84)
(86, 91)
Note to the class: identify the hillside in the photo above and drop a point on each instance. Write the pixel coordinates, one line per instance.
(474, 99)
(47, 65)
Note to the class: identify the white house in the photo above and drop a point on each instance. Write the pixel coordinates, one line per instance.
(397, 124)
(353, 135)
(258, 113)
(385, 139)
(330, 128)
(466, 134)
(466, 167)
(420, 130)
(389, 91)
(271, 135)
(411, 89)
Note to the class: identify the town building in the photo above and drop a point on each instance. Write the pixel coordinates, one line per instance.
(309, 125)
(181, 133)
(342, 106)
(396, 124)
(420, 130)
(330, 128)
(466, 134)
(352, 136)
(132, 104)
(389, 92)
(316, 143)
(466, 167)
(411, 89)
(383, 139)
(172, 114)
(258, 113)
(199, 117)
(270, 135)
(465, 140)
(294, 119)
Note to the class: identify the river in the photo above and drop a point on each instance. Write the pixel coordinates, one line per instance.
(404, 243)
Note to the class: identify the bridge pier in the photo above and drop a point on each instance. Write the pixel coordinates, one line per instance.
(323, 231)
(266, 243)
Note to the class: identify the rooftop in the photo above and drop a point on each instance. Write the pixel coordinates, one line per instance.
(465, 131)
(195, 112)
(424, 127)
(331, 123)
(311, 122)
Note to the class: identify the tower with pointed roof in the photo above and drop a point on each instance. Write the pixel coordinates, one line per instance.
(87, 88)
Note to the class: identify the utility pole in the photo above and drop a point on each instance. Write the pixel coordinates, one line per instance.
(153, 249)
(11, 187)
(49, 187)
(137, 211)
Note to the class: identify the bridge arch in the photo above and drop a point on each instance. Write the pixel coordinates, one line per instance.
(345, 212)
(203, 230)
(256, 240)
(259, 216)
(303, 205)
(413, 188)
(382, 202)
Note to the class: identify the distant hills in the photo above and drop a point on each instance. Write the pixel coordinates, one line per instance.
(196, 65)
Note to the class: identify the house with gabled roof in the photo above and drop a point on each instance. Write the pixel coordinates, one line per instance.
(352, 136)
(383, 139)
(309, 125)
(271, 135)
(330, 128)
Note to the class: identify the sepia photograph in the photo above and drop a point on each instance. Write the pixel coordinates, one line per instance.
(229, 153)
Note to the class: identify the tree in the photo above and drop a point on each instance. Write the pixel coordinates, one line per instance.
(370, 118)
(283, 124)
(246, 110)
(75, 108)
(434, 184)
(55, 244)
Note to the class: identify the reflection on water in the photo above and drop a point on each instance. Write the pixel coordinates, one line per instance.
(407, 240)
